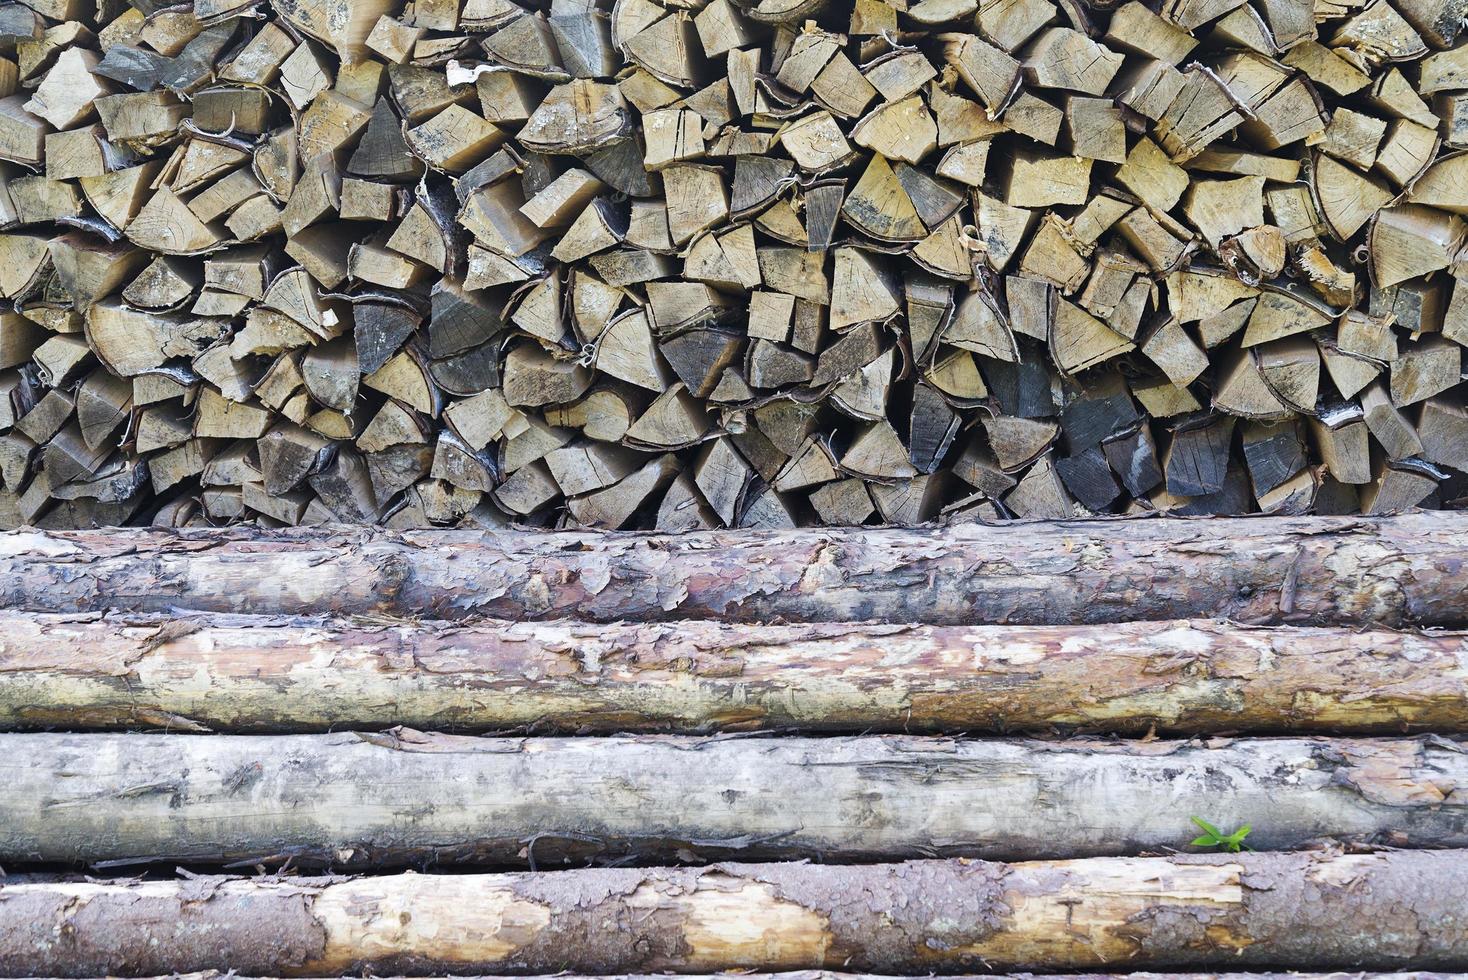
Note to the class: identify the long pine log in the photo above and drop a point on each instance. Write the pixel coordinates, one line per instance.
(233, 673)
(404, 797)
(1394, 572)
(1277, 911)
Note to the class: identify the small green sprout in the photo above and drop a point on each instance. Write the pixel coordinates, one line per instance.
(1213, 837)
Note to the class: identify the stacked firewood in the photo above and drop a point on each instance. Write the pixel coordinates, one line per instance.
(681, 264)
(238, 751)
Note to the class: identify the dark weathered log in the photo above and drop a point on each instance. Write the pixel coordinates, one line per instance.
(1392, 571)
(406, 797)
(1278, 911)
(263, 674)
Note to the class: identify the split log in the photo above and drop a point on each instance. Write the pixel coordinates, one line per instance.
(358, 800)
(1390, 571)
(1278, 911)
(270, 675)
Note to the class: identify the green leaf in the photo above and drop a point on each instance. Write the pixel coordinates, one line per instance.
(1213, 837)
(1208, 827)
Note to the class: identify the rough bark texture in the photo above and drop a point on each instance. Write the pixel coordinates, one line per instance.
(1322, 911)
(1398, 571)
(408, 797)
(218, 672)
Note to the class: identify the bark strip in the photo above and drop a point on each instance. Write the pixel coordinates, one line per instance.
(1279, 911)
(406, 797)
(215, 672)
(1309, 570)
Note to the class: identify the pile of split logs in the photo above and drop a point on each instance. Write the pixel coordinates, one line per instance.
(684, 264)
(312, 754)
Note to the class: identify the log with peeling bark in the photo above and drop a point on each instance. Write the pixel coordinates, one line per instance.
(675, 264)
(404, 797)
(1394, 572)
(264, 674)
(1276, 911)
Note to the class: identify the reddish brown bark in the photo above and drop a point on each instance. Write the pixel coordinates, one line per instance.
(1392, 571)
(213, 672)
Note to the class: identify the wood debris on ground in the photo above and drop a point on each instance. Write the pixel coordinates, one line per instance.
(700, 263)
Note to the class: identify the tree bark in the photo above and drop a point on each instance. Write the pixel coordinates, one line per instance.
(1309, 570)
(1279, 911)
(216, 672)
(406, 797)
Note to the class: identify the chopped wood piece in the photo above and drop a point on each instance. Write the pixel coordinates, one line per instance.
(1063, 58)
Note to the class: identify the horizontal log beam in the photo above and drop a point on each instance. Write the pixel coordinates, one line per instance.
(1390, 571)
(1282, 911)
(407, 797)
(216, 672)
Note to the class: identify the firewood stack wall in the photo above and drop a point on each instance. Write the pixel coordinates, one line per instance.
(684, 264)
